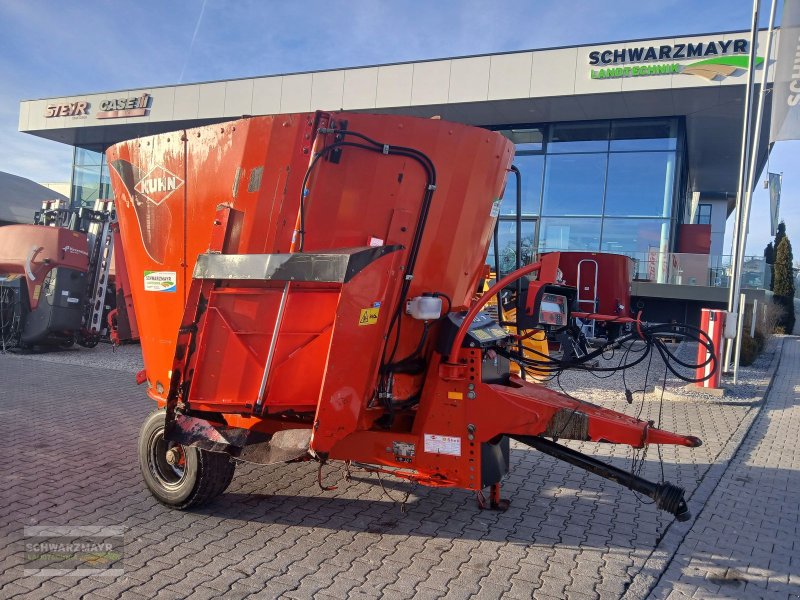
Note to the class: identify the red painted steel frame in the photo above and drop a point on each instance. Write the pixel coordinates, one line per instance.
(235, 189)
(33, 250)
(124, 296)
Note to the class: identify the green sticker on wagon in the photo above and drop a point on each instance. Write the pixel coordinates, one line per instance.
(160, 281)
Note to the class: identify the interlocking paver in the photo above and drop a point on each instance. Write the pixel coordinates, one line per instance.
(276, 534)
(742, 549)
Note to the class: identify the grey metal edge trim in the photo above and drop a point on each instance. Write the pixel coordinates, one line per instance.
(323, 267)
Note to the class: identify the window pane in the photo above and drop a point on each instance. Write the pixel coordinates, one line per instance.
(569, 234)
(506, 236)
(640, 184)
(635, 236)
(87, 157)
(703, 214)
(644, 135)
(579, 137)
(85, 185)
(531, 168)
(525, 139)
(573, 184)
(106, 191)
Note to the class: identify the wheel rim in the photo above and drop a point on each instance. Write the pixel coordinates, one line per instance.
(170, 476)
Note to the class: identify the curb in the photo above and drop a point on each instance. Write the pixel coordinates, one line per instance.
(645, 581)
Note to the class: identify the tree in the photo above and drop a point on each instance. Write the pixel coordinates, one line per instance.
(783, 283)
(779, 235)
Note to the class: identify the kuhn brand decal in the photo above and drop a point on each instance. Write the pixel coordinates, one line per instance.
(160, 281)
(148, 194)
(158, 185)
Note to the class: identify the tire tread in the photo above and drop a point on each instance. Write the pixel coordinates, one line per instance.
(214, 474)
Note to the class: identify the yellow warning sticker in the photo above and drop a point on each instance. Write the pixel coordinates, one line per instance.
(369, 316)
(481, 334)
(455, 396)
(36, 292)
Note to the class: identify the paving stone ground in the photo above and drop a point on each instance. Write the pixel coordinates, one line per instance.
(746, 541)
(70, 439)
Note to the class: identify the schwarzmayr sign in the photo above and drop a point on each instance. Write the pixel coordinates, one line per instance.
(720, 58)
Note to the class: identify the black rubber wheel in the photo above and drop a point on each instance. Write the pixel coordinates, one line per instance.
(88, 341)
(180, 476)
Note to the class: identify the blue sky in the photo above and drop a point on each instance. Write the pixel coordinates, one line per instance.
(50, 48)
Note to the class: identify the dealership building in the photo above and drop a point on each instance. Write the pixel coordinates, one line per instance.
(629, 147)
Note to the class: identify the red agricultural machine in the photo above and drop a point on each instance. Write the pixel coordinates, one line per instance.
(57, 280)
(304, 286)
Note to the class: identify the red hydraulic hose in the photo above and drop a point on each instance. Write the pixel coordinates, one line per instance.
(455, 349)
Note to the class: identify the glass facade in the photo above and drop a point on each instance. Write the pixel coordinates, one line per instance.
(605, 186)
(90, 180)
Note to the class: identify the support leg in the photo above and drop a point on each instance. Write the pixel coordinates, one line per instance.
(495, 502)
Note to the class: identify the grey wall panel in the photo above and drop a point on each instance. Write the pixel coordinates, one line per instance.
(360, 88)
(469, 79)
(211, 101)
(296, 93)
(430, 82)
(510, 76)
(162, 105)
(24, 108)
(327, 90)
(238, 98)
(553, 73)
(267, 95)
(394, 85)
(187, 102)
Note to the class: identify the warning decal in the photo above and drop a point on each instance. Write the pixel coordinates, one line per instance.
(443, 444)
(369, 316)
(160, 281)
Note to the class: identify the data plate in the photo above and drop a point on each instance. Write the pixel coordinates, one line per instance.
(403, 451)
(443, 444)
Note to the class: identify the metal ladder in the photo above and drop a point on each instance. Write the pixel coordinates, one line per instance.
(585, 304)
(101, 244)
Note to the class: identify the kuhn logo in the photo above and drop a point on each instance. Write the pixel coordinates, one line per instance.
(158, 185)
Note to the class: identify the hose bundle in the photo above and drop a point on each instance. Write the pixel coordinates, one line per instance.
(651, 334)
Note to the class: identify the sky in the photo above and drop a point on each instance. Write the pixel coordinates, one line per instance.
(50, 48)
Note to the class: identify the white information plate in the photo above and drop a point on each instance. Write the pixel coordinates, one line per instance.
(443, 444)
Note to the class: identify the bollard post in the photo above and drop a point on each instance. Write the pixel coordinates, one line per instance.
(739, 329)
(712, 321)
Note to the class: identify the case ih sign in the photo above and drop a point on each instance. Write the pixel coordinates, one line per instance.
(124, 107)
(113, 108)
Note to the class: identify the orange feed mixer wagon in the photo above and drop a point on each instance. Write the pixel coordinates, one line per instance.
(304, 288)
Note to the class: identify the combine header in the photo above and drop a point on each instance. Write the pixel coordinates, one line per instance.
(304, 289)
